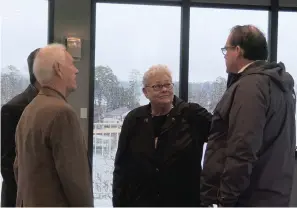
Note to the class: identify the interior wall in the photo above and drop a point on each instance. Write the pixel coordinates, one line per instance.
(73, 18)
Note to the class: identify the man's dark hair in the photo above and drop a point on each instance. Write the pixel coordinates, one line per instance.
(251, 40)
(30, 61)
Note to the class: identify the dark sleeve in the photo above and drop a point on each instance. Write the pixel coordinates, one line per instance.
(202, 119)
(71, 160)
(247, 119)
(9, 121)
(120, 164)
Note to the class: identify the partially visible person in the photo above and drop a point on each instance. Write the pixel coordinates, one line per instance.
(10, 115)
(249, 159)
(51, 165)
(158, 160)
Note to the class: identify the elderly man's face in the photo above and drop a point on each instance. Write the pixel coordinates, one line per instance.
(70, 72)
(159, 89)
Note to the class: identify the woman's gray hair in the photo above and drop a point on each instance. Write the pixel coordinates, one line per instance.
(159, 68)
(45, 60)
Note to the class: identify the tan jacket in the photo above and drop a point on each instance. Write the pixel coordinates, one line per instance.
(51, 165)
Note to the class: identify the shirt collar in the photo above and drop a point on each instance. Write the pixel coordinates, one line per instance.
(243, 68)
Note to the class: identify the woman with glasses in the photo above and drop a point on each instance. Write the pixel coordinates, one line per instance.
(158, 161)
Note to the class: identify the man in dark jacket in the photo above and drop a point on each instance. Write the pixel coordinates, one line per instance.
(249, 159)
(158, 161)
(10, 115)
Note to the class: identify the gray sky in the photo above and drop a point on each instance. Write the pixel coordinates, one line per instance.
(137, 36)
(148, 35)
(287, 42)
(24, 28)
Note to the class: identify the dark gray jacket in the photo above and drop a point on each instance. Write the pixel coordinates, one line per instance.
(249, 159)
(10, 115)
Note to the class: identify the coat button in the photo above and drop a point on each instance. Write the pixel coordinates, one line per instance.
(173, 119)
(157, 169)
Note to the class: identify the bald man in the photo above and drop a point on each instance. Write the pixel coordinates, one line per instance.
(51, 165)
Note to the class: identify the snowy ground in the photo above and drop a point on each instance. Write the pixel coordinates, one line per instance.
(102, 178)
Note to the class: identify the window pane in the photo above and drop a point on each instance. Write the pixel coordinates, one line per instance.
(129, 39)
(287, 43)
(208, 34)
(24, 28)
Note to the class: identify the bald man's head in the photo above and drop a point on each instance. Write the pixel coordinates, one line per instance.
(45, 60)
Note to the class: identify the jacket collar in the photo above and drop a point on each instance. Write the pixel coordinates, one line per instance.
(48, 91)
(255, 66)
(145, 110)
(251, 68)
(245, 67)
(31, 91)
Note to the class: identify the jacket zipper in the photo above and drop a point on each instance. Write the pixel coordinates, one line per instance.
(156, 140)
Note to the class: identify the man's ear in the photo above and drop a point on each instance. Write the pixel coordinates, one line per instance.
(57, 69)
(144, 90)
(240, 50)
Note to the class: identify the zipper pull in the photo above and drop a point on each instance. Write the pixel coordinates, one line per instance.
(156, 142)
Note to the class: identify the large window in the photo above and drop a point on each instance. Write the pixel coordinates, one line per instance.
(287, 43)
(23, 28)
(209, 29)
(129, 39)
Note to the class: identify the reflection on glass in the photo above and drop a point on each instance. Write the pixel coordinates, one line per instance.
(129, 39)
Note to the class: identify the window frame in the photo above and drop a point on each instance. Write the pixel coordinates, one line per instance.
(274, 7)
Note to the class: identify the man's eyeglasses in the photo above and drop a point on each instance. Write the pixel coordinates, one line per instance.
(159, 87)
(225, 49)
